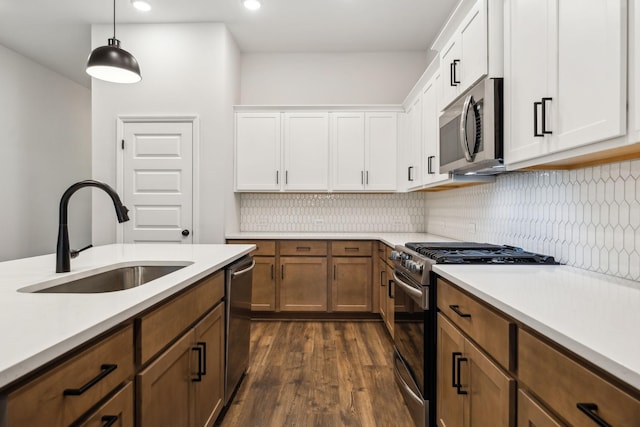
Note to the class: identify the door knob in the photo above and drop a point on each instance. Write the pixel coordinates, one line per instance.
(185, 233)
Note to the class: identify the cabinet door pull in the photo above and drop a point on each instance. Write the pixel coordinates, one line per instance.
(454, 355)
(535, 119)
(390, 290)
(104, 371)
(429, 165)
(109, 420)
(458, 381)
(286, 177)
(362, 177)
(334, 272)
(366, 177)
(382, 282)
(454, 73)
(456, 309)
(204, 356)
(409, 173)
(273, 267)
(277, 177)
(198, 377)
(590, 410)
(282, 271)
(544, 116)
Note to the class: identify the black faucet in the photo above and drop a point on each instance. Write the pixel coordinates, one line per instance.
(63, 253)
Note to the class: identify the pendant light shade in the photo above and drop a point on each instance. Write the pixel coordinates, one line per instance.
(111, 63)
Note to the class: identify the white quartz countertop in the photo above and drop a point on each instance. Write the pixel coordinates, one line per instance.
(35, 328)
(390, 239)
(593, 315)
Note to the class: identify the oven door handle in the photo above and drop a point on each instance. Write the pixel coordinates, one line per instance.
(415, 294)
(468, 108)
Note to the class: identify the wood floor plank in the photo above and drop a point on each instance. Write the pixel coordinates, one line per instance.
(320, 374)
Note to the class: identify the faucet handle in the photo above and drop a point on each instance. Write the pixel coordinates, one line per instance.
(75, 252)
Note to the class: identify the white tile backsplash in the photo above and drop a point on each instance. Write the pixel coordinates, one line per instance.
(588, 218)
(332, 212)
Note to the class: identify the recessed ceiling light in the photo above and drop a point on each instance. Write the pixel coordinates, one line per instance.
(142, 5)
(251, 4)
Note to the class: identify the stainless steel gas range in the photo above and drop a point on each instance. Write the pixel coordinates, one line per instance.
(415, 312)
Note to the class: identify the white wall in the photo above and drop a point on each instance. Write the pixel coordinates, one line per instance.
(44, 147)
(329, 78)
(187, 69)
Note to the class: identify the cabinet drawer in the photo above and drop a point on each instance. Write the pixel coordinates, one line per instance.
(351, 248)
(562, 383)
(487, 328)
(118, 409)
(263, 247)
(303, 247)
(86, 378)
(159, 327)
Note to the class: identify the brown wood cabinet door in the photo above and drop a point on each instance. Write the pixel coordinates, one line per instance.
(530, 414)
(351, 284)
(263, 293)
(303, 283)
(490, 398)
(449, 403)
(165, 387)
(209, 393)
(118, 409)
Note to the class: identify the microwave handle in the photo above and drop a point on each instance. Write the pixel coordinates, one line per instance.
(469, 104)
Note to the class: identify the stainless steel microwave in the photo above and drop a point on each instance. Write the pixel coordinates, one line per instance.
(471, 131)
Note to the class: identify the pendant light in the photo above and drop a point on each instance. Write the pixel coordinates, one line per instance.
(111, 63)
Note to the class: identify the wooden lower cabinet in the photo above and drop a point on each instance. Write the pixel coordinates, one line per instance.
(351, 284)
(472, 389)
(532, 414)
(184, 385)
(303, 283)
(263, 294)
(118, 410)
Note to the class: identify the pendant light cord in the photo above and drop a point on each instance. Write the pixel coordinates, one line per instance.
(114, 19)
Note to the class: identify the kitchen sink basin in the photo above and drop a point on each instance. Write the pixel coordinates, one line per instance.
(118, 279)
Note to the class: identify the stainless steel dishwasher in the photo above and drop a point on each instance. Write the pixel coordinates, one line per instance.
(238, 279)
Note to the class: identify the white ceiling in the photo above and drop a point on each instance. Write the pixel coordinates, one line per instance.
(57, 33)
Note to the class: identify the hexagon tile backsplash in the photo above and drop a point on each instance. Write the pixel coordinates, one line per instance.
(588, 218)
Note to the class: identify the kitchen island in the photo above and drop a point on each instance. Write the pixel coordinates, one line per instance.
(36, 328)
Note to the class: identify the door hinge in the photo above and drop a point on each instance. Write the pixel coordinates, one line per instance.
(123, 144)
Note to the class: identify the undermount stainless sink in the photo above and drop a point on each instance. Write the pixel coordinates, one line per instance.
(118, 279)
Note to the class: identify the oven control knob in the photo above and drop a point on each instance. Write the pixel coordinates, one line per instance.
(395, 255)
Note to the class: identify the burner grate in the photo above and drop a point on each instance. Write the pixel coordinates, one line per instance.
(477, 253)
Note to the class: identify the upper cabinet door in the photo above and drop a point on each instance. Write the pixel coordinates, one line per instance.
(529, 51)
(306, 151)
(348, 141)
(413, 150)
(381, 134)
(565, 75)
(258, 152)
(473, 46)
(431, 131)
(450, 66)
(591, 72)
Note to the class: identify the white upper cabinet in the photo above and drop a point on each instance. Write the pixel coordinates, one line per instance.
(565, 75)
(412, 149)
(257, 152)
(363, 151)
(464, 59)
(431, 131)
(381, 135)
(306, 151)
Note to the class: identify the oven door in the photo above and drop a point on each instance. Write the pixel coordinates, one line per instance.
(409, 341)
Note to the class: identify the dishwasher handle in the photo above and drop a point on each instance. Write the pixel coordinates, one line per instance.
(243, 271)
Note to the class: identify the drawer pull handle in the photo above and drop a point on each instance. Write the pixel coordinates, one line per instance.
(105, 370)
(590, 410)
(458, 381)
(351, 249)
(303, 248)
(456, 309)
(109, 420)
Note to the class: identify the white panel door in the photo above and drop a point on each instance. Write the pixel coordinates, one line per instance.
(431, 131)
(473, 46)
(414, 146)
(306, 151)
(158, 182)
(258, 152)
(381, 148)
(347, 141)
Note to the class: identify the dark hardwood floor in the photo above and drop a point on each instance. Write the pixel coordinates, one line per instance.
(324, 374)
